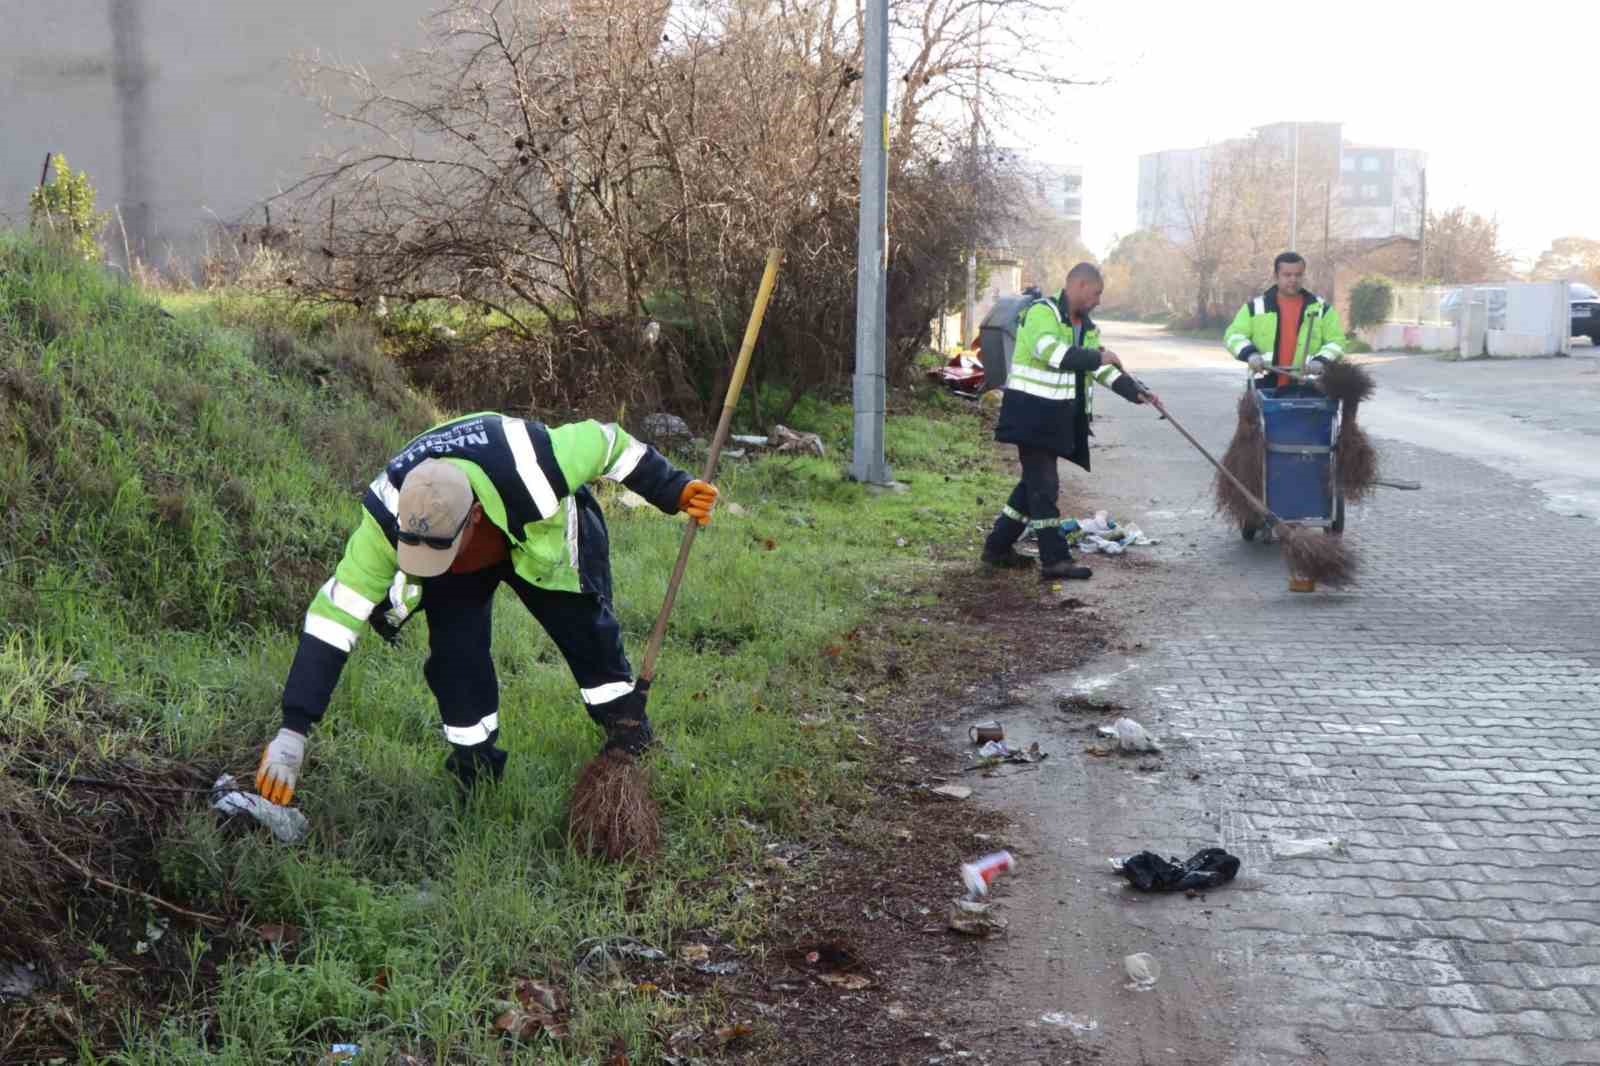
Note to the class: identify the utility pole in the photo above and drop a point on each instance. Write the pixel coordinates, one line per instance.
(871, 392)
(969, 320)
(1294, 190)
(1422, 232)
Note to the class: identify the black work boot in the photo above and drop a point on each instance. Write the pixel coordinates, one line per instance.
(472, 763)
(1064, 569)
(626, 724)
(1009, 559)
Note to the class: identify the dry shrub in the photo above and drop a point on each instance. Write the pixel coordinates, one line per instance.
(1245, 459)
(613, 815)
(1312, 554)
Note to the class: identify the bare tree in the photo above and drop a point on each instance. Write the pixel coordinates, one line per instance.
(579, 166)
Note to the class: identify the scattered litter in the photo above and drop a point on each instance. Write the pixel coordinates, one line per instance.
(750, 441)
(18, 981)
(630, 499)
(1129, 735)
(1070, 1021)
(986, 732)
(975, 919)
(1142, 970)
(979, 874)
(154, 930)
(735, 510)
(785, 439)
(955, 792)
(718, 969)
(341, 1053)
(1305, 849)
(1205, 869)
(994, 749)
(1102, 534)
(851, 982)
(605, 956)
(695, 953)
(286, 823)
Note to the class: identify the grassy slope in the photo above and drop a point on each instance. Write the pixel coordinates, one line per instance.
(178, 487)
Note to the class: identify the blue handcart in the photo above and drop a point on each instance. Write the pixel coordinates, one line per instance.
(1300, 482)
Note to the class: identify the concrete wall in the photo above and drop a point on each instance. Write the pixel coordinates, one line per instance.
(182, 113)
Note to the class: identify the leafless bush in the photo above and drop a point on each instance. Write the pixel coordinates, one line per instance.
(582, 166)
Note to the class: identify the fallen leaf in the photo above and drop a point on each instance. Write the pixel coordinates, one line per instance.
(728, 1033)
(833, 651)
(769, 544)
(540, 1008)
(618, 1055)
(694, 953)
(850, 981)
(380, 980)
(281, 936)
(646, 988)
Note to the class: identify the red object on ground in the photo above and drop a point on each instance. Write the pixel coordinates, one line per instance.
(962, 373)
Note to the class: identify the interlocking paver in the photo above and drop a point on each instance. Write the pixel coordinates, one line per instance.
(1443, 718)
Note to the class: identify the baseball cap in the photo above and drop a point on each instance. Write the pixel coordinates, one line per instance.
(435, 500)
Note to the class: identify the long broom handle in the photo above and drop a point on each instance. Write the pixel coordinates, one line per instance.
(1271, 518)
(769, 278)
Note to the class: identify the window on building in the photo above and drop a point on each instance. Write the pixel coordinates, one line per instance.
(1347, 191)
(1371, 164)
(1369, 192)
(1347, 163)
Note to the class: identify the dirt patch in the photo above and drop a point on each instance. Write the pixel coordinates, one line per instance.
(86, 913)
(865, 967)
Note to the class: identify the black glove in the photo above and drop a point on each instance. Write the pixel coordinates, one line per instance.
(626, 724)
(1246, 352)
(1126, 387)
(379, 621)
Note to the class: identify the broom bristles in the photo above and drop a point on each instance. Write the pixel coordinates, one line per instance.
(1347, 382)
(613, 815)
(1358, 460)
(1245, 459)
(1312, 554)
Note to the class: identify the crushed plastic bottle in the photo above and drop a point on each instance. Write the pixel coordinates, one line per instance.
(286, 823)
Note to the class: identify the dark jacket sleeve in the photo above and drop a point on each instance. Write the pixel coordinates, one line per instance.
(657, 480)
(1126, 387)
(1081, 359)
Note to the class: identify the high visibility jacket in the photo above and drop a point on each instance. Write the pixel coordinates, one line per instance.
(1049, 392)
(1255, 329)
(530, 481)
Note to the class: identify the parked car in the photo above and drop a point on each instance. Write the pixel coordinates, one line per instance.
(1452, 302)
(1584, 300)
(1585, 312)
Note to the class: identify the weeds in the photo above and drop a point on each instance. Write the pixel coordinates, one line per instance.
(178, 488)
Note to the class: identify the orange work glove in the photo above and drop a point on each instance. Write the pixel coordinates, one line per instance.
(280, 767)
(697, 500)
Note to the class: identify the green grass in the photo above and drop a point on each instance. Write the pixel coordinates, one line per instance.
(177, 488)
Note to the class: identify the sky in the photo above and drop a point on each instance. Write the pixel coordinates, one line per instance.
(1505, 102)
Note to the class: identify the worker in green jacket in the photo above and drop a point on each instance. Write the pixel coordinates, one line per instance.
(472, 503)
(1286, 326)
(1045, 411)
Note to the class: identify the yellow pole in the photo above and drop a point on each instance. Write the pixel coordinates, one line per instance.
(769, 278)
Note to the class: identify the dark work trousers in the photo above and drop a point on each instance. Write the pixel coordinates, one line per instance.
(1033, 506)
(460, 670)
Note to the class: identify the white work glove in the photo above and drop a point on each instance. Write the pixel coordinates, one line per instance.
(280, 767)
(1256, 363)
